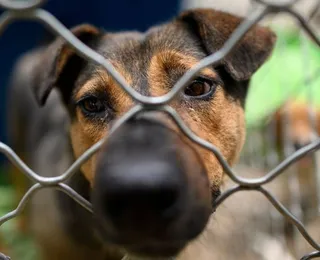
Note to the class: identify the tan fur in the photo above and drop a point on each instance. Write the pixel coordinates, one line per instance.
(169, 59)
(221, 123)
(83, 133)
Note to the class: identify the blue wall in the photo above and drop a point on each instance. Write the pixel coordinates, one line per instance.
(113, 15)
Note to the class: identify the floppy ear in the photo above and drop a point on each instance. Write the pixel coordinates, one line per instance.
(214, 28)
(59, 65)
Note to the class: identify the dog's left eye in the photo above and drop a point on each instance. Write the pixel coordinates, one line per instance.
(92, 105)
(200, 88)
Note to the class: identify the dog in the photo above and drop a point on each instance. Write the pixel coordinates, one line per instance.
(297, 124)
(151, 188)
(299, 120)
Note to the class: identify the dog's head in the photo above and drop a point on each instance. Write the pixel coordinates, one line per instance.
(152, 188)
(298, 124)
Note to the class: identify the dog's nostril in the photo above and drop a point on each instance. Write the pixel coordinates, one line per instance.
(165, 200)
(299, 145)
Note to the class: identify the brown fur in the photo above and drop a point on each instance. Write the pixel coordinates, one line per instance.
(296, 114)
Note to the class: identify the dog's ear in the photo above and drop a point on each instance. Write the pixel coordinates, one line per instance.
(59, 65)
(213, 28)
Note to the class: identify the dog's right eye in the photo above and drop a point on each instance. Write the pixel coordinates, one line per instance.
(92, 105)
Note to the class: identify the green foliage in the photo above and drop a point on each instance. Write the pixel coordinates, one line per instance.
(293, 71)
(19, 246)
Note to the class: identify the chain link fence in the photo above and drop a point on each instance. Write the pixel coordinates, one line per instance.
(31, 10)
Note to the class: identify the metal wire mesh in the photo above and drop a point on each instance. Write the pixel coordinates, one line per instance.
(31, 10)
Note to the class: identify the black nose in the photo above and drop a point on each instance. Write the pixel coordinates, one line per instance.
(140, 179)
(144, 193)
(299, 145)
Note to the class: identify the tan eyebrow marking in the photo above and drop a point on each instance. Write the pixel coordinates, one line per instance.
(166, 60)
(101, 80)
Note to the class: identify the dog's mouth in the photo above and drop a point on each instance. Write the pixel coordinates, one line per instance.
(143, 249)
(152, 251)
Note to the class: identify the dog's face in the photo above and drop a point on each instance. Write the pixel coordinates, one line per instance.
(299, 122)
(152, 188)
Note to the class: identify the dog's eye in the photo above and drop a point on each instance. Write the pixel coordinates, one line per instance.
(200, 88)
(92, 105)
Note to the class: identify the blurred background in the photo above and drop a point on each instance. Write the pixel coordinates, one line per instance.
(282, 113)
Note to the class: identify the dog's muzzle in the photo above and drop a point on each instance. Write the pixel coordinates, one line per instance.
(151, 194)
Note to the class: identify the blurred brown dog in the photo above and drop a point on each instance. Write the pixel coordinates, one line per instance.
(296, 116)
(297, 125)
(150, 186)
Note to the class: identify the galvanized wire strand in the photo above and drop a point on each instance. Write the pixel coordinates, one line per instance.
(49, 181)
(4, 257)
(7, 151)
(55, 26)
(84, 51)
(216, 57)
(313, 11)
(37, 187)
(88, 53)
(21, 6)
(304, 25)
(285, 212)
(280, 168)
(21, 205)
(228, 170)
(311, 256)
(276, 4)
(16, 161)
(74, 195)
(30, 10)
(277, 204)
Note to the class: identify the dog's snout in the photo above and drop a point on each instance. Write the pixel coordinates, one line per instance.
(150, 186)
